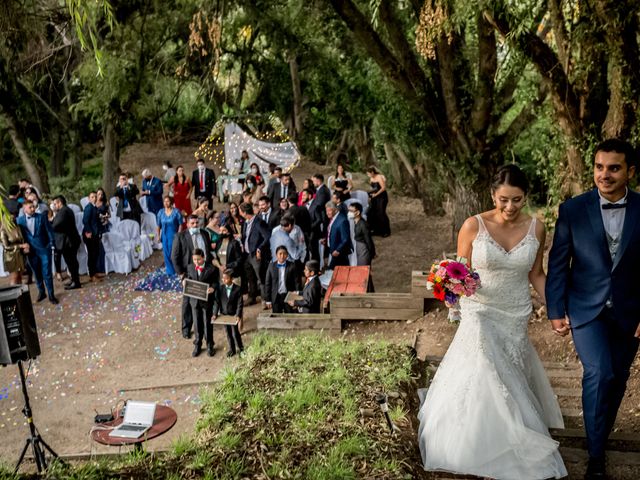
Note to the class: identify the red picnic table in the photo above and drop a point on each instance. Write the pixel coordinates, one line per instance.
(353, 280)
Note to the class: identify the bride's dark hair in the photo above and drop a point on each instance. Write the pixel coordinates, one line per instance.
(510, 175)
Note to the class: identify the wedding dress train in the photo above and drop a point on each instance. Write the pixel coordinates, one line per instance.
(489, 407)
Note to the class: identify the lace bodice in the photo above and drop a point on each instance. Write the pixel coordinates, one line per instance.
(504, 275)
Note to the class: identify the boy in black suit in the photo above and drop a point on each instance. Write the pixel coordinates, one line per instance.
(281, 279)
(201, 309)
(229, 302)
(312, 292)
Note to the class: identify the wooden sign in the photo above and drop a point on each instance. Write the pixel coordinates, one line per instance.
(292, 297)
(225, 320)
(195, 289)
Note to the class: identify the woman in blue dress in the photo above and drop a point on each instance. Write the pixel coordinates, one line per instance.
(169, 220)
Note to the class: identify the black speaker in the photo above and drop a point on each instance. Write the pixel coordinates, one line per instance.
(18, 332)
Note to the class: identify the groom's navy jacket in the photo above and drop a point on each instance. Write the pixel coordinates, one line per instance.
(582, 276)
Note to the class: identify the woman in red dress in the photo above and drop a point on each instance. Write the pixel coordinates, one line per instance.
(181, 191)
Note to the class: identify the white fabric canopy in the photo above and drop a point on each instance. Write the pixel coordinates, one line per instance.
(285, 155)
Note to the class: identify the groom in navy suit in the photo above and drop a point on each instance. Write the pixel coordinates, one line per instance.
(38, 233)
(592, 289)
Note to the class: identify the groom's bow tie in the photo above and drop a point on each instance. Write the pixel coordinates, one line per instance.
(611, 206)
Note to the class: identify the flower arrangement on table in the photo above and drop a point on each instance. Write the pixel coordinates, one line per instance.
(451, 279)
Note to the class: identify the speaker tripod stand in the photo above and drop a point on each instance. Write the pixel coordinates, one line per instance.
(39, 446)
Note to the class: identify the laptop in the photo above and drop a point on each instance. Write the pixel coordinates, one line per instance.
(138, 418)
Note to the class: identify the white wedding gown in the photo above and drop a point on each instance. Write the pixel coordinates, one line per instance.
(489, 407)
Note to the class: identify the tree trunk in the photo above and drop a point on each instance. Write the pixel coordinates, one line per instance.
(57, 153)
(296, 131)
(36, 177)
(111, 157)
(396, 174)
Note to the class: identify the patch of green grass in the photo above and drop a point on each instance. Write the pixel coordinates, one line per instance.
(290, 409)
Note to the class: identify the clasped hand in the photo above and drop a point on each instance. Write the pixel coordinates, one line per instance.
(561, 326)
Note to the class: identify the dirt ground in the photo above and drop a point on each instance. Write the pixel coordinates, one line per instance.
(107, 343)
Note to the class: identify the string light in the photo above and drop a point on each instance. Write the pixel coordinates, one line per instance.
(212, 150)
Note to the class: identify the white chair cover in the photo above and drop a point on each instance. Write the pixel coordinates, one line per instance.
(83, 260)
(113, 204)
(84, 201)
(362, 198)
(149, 230)
(130, 232)
(79, 224)
(329, 180)
(353, 257)
(143, 204)
(74, 207)
(116, 259)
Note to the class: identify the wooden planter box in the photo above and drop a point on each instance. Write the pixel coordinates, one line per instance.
(376, 306)
(419, 284)
(298, 321)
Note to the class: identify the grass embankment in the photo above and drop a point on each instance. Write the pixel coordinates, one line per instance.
(296, 407)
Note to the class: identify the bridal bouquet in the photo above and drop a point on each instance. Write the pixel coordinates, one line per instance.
(450, 280)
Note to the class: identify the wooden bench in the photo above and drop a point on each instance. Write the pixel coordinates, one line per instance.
(347, 280)
(376, 306)
(419, 284)
(297, 321)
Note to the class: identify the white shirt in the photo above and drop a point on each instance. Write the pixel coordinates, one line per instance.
(31, 224)
(613, 219)
(282, 286)
(198, 241)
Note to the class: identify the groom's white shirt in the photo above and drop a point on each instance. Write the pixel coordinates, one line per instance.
(613, 219)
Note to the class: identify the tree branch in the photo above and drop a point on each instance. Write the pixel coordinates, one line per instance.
(487, 66)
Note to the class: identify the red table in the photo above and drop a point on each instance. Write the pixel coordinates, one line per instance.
(164, 419)
(348, 280)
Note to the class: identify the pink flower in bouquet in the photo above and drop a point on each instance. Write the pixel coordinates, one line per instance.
(457, 270)
(441, 272)
(458, 289)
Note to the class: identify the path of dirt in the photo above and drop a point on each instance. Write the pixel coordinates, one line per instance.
(106, 338)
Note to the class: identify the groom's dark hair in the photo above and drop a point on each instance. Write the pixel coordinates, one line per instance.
(510, 175)
(619, 146)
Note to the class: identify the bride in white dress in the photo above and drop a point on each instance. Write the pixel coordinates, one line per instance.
(489, 407)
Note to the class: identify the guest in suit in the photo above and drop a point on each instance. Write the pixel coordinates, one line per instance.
(592, 291)
(281, 279)
(203, 181)
(67, 239)
(268, 214)
(152, 188)
(255, 242)
(338, 199)
(317, 215)
(274, 180)
(37, 232)
(312, 292)
(229, 302)
(283, 189)
(200, 271)
(91, 236)
(182, 250)
(365, 248)
(127, 194)
(323, 195)
(338, 240)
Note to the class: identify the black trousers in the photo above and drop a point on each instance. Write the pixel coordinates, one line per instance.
(93, 252)
(233, 338)
(279, 306)
(203, 325)
(255, 271)
(70, 255)
(187, 316)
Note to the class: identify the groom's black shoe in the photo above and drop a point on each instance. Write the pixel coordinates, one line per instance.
(595, 469)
